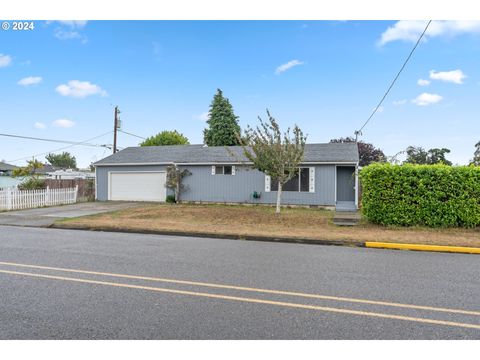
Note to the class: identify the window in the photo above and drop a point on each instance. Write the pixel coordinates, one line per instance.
(223, 170)
(292, 184)
(300, 182)
(304, 179)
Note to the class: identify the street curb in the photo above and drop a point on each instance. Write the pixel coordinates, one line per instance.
(420, 247)
(368, 244)
(216, 236)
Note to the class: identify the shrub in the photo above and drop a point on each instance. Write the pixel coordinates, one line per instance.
(32, 183)
(170, 199)
(429, 195)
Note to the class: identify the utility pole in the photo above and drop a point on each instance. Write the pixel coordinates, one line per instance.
(115, 128)
(357, 133)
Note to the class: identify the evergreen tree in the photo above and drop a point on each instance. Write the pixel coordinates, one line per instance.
(476, 155)
(418, 155)
(437, 156)
(223, 128)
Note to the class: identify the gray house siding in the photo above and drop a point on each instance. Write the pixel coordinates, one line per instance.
(203, 186)
(101, 177)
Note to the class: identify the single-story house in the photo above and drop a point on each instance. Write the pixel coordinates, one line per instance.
(70, 174)
(45, 170)
(6, 169)
(327, 177)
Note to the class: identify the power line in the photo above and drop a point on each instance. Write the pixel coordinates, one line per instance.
(125, 132)
(48, 140)
(66, 147)
(359, 132)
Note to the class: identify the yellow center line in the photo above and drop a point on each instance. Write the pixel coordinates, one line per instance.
(257, 290)
(251, 300)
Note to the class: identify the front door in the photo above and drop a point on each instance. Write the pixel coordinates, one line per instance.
(345, 183)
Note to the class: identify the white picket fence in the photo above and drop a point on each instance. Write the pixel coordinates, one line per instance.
(14, 199)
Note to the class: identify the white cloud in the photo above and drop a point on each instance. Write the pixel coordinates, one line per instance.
(30, 80)
(379, 110)
(5, 60)
(203, 116)
(69, 35)
(410, 30)
(454, 76)
(399, 102)
(284, 67)
(425, 99)
(69, 30)
(80, 89)
(423, 82)
(74, 24)
(39, 125)
(63, 123)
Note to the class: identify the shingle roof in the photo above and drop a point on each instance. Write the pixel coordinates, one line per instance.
(6, 167)
(46, 168)
(200, 154)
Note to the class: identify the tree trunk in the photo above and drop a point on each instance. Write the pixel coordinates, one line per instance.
(279, 195)
(177, 193)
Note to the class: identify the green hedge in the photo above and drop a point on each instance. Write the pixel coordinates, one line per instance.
(429, 195)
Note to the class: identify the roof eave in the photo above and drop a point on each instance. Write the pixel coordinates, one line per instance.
(333, 162)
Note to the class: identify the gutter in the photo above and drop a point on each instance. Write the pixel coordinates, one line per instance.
(221, 163)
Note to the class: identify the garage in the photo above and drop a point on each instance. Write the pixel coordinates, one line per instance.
(137, 186)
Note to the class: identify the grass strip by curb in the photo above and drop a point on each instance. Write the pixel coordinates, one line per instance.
(420, 247)
(211, 235)
(369, 244)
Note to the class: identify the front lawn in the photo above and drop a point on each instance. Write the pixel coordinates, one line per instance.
(238, 220)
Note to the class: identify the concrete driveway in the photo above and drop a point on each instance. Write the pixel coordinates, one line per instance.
(44, 217)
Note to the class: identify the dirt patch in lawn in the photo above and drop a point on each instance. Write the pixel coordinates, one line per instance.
(251, 221)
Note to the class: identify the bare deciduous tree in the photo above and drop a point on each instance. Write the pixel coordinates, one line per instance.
(175, 176)
(277, 155)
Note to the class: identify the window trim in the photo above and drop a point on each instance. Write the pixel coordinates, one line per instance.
(215, 172)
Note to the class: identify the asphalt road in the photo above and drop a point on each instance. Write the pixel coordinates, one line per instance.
(66, 284)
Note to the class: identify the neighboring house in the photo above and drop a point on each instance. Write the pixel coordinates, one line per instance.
(70, 174)
(44, 170)
(6, 169)
(328, 176)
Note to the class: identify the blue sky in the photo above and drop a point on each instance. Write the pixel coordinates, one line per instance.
(63, 79)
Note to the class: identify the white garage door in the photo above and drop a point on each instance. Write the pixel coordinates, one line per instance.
(137, 186)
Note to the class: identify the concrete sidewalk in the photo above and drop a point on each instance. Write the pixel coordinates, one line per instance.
(44, 217)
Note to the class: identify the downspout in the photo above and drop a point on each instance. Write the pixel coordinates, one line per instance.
(356, 185)
(96, 184)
